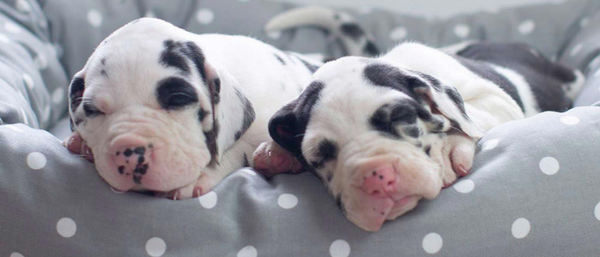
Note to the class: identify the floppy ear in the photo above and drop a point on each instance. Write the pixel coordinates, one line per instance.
(76, 89)
(288, 125)
(445, 100)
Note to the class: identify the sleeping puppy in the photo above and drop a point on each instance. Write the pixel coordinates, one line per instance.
(164, 110)
(385, 133)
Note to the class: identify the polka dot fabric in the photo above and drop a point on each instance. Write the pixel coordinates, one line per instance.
(529, 176)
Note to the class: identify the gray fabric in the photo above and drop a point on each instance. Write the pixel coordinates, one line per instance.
(32, 81)
(509, 184)
(45, 190)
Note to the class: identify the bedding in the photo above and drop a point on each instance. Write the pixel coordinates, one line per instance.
(533, 188)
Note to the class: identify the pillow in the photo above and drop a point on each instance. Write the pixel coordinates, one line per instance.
(533, 189)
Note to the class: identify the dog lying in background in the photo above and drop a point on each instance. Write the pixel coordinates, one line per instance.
(384, 133)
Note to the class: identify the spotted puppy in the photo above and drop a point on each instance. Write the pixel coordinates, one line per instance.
(384, 133)
(164, 110)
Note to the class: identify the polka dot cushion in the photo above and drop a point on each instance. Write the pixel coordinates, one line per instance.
(533, 189)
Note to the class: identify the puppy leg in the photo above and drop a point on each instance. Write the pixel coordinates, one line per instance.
(75, 144)
(458, 154)
(271, 159)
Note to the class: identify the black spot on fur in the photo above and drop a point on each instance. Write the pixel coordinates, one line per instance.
(103, 73)
(137, 179)
(173, 56)
(457, 99)
(121, 169)
(340, 204)
(428, 150)
(387, 117)
(352, 30)
(174, 93)
(103, 61)
(385, 75)
(279, 59)
(412, 131)
(217, 90)
(371, 49)
(202, 114)
(128, 152)
(139, 150)
(249, 114)
(326, 151)
(312, 68)
(246, 161)
(211, 143)
(288, 125)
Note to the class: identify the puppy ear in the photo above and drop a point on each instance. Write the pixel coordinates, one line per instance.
(76, 89)
(288, 125)
(444, 100)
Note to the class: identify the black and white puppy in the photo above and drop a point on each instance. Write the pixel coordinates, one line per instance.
(384, 133)
(161, 109)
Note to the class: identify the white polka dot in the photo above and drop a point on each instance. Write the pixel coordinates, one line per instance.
(248, 251)
(28, 81)
(94, 17)
(576, 49)
(274, 34)
(584, 22)
(339, 248)
(597, 211)
(205, 16)
(58, 95)
(549, 165)
(398, 33)
(520, 228)
(22, 6)
(209, 200)
(66, 227)
(251, 172)
(36, 160)
(4, 39)
(432, 243)
(156, 246)
(462, 30)
(287, 201)
(13, 128)
(150, 14)
(464, 186)
(16, 255)
(12, 27)
(490, 144)
(526, 27)
(41, 62)
(569, 120)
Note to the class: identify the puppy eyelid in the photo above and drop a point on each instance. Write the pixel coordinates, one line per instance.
(90, 110)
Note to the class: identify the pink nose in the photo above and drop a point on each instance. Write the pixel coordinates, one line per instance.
(380, 181)
(133, 160)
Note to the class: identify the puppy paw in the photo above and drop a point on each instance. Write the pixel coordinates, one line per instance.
(270, 159)
(458, 154)
(77, 145)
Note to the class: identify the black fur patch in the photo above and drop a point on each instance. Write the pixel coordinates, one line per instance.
(103, 73)
(174, 93)
(279, 59)
(456, 99)
(371, 49)
(312, 68)
(428, 150)
(202, 114)
(327, 150)
(545, 78)
(387, 117)
(249, 114)
(173, 56)
(288, 125)
(352, 30)
(385, 75)
(217, 91)
(211, 143)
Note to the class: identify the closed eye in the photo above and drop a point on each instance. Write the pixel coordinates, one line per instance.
(175, 93)
(90, 110)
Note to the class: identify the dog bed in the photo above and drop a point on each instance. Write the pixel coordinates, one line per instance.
(533, 189)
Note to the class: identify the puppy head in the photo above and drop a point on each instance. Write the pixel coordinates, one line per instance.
(374, 134)
(146, 104)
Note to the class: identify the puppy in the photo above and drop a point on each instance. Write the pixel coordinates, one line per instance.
(384, 133)
(159, 109)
